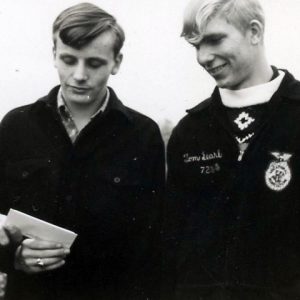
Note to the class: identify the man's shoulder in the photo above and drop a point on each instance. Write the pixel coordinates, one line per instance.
(16, 121)
(139, 118)
(195, 112)
(290, 87)
(137, 127)
(18, 113)
(143, 126)
(23, 113)
(135, 117)
(203, 105)
(195, 119)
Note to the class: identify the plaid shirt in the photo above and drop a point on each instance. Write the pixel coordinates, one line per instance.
(67, 118)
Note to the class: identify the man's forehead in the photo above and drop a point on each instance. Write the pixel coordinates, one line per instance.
(99, 47)
(216, 26)
(106, 39)
(216, 23)
(210, 29)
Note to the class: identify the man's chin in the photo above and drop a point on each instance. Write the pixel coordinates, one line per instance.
(222, 84)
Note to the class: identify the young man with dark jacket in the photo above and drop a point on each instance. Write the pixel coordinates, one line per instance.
(80, 159)
(233, 210)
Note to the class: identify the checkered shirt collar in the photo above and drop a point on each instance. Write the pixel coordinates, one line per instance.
(61, 103)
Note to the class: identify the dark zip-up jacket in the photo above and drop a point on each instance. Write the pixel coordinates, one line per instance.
(228, 223)
(105, 187)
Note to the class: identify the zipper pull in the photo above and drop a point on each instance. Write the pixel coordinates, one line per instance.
(241, 155)
(242, 148)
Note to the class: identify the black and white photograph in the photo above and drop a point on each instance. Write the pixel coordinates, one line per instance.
(149, 150)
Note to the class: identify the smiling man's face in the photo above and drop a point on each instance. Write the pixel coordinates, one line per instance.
(227, 54)
(84, 73)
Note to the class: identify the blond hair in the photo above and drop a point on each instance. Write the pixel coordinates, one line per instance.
(236, 12)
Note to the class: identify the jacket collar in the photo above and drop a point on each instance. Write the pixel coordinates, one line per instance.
(290, 87)
(114, 104)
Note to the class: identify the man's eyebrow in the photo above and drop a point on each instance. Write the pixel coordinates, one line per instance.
(102, 60)
(92, 58)
(63, 55)
(212, 36)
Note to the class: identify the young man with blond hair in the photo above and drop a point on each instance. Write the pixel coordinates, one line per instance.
(233, 208)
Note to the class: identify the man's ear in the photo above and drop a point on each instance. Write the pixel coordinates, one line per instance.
(118, 61)
(256, 32)
(54, 55)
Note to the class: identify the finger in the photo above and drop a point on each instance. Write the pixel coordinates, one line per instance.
(39, 269)
(4, 240)
(46, 262)
(55, 266)
(14, 233)
(41, 244)
(3, 280)
(32, 253)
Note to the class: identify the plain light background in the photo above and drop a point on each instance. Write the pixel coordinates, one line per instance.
(159, 75)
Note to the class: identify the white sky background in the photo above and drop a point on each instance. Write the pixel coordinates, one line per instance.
(159, 75)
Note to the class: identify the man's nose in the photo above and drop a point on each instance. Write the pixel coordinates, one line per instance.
(205, 56)
(80, 72)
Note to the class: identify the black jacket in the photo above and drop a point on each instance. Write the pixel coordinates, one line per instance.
(234, 224)
(105, 187)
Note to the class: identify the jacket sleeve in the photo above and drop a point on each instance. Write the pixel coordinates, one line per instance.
(157, 166)
(172, 216)
(146, 271)
(170, 220)
(6, 252)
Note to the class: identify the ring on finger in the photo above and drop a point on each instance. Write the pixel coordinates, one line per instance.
(40, 262)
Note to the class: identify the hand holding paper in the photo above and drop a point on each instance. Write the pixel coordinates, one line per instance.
(37, 229)
(46, 247)
(35, 256)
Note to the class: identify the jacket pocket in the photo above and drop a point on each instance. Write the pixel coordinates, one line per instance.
(26, 183)
(25, 169)
(121, 173)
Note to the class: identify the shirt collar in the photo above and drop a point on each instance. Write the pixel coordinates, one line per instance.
(114, 104)
(258, 94)
(61, 103)
(289, 88)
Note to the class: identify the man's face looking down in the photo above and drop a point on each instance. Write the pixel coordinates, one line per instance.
(84, 72)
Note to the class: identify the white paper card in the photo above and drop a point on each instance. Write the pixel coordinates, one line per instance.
(35, 228)
(2, 219)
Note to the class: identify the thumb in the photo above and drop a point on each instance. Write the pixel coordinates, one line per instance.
(4, 239)
(14, 233)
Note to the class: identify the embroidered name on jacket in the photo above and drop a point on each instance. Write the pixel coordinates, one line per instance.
(209, 166)
(278, 174)
(204, 156)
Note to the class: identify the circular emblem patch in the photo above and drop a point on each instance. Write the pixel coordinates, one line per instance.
(278, 175)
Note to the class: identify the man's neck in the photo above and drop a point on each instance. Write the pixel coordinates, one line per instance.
(82, 113)
(262, 70)
(263, 74)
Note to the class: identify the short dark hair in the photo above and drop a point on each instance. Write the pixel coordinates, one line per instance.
(78, 25)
